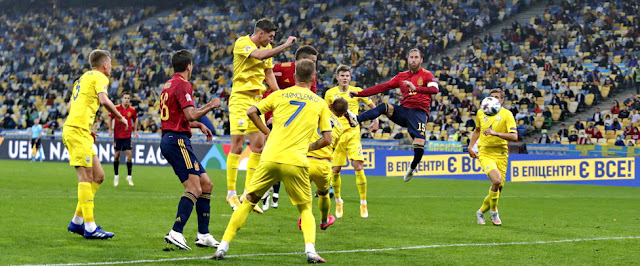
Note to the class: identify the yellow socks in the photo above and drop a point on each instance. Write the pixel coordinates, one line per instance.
(324, 204)
(85, 200)
(232, 170)
(361, 182)
(94, 189)
(238, 218)
(486, 204)
(494, 196)
(252, 165)
(308, 223)
(336, 182)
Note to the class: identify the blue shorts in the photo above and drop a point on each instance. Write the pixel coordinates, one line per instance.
(414, 120)
(122, 144)
(176, 148)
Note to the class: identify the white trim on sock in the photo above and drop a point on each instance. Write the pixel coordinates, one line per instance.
(363, 202)
(231, 193)
(224, 245)
(77, 220)
(90, 227)
(309, 248)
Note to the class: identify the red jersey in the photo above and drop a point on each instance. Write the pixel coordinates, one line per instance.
(420, 98)
(119, 131)
(286, 77)
(176, 95)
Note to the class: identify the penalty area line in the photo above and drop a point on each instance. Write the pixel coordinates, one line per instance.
(356, 250)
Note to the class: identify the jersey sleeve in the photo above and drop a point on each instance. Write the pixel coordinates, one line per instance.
(431, 87)
(102, 82)
(364, 100)
(268, 63)
(391, 84)
(244, 47)
(511, 124)
(134, 116)
(478, 115)
(328, 97)
(325, 119)
(184, 95)
(267, 104)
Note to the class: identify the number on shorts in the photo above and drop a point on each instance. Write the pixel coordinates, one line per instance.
(422, 127)
(296, 113)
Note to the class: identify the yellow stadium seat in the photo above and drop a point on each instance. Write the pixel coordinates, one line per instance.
(589, 99)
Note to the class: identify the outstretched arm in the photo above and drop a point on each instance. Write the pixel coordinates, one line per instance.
(391, 84)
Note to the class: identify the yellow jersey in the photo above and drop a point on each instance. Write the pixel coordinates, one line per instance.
(297, 114)
(248, 72)
(336, 132)
(354, 102)
(84, 102)
(503, 122)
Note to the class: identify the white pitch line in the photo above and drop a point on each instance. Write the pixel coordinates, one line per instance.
(353, 250)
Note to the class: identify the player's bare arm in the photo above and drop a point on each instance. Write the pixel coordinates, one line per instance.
(474, 138)
(262, 54)
(324, 141)
(104, 100)
(207, 132)
(194, 114)
(502, 135)
(270, 78)
(254, 116)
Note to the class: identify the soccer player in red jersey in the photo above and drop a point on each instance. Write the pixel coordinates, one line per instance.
(122, 136)
(179, 115)
(285, 77)
(417, 85)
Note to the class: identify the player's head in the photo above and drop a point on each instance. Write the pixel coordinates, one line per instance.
(498, 94)
(182, 61)
(126, 98)
(265, 30)
(343, 75)
(307, 52)
(305, 71)
(100, 60)
(339, 106)
(414, 58)
(36, 121)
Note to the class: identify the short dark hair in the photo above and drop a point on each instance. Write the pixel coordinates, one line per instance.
(305, 70)
(125, 93)
(305, 51)
(342, 68)
(180, 60)
(340, 105)
(97, 57)
(265, 25)
(415, 50)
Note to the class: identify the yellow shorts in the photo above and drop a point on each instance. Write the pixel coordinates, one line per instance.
(295, 179)
(320, 174)
(239, 103)
(79, 143)
(349, 145)
(489, 163)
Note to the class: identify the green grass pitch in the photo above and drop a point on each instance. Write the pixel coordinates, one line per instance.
(38, 200)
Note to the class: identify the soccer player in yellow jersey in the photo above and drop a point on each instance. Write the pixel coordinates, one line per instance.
(89, 92)
(252, 65)
(320, 161)
(493, 134)
(350, 144)
(298, 114)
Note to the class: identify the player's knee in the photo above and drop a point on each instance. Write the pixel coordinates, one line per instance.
(196, 190)
(206, 185)
(419, 142)
(323, 192)
(336, 169)
(357, 165)
(257, 148)
(252, 197)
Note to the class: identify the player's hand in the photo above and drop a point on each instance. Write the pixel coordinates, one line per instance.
(472, 153)
(374, 126)
(291, 40)
(353, 94)
(110, 133)
(94, 135)
(270, 121)
(125, 122)
(214, 103)
(490, 132)
(409, 84)
(206, 132)
(135, 135)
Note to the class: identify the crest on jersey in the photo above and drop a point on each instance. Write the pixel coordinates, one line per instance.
(420, 82)
(247, 48)
(167, 85)
(128, 114)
